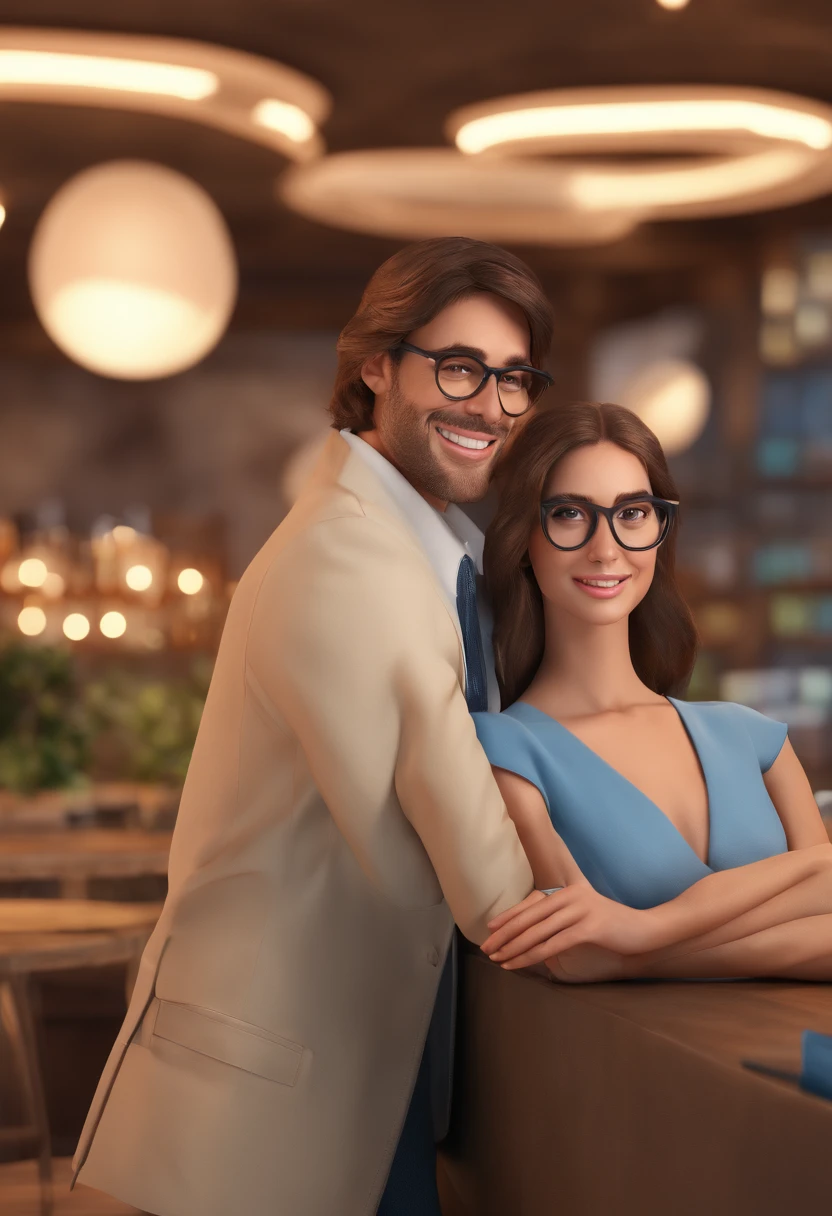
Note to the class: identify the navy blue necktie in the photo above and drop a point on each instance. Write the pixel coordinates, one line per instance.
(476, 688)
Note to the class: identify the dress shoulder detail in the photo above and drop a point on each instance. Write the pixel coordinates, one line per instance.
(510, 745)
(767, 735)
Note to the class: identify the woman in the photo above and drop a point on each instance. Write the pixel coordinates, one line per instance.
(676, 839)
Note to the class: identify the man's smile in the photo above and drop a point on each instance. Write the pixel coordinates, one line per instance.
(471, 445)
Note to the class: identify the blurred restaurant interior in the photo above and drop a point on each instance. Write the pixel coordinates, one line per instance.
(193, 198)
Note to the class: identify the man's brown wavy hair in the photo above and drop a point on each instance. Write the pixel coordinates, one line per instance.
(662, 633)
(409, 290)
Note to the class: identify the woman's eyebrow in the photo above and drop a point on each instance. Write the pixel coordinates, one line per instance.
(629, 494)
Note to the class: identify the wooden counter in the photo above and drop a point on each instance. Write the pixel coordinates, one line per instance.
(630, 1099)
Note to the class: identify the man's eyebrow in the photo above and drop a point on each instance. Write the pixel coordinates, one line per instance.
(628, 496)
(462, 348)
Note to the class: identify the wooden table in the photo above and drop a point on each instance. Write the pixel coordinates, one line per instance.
(50, 935)
(631, 1099)
(75, 856)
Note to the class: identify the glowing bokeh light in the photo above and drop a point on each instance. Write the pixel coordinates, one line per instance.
(190, 582)
(113, 624)
(139, 578)
(31, 621)
(32, 572)
(76, 627)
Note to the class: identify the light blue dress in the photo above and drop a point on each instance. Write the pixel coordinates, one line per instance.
(623, 843)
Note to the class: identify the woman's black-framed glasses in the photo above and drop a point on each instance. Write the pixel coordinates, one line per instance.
(638, 523)
(460, 376)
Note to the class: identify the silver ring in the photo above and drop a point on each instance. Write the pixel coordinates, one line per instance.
(550, 890)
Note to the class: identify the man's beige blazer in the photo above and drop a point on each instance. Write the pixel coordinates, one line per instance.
(338, 816)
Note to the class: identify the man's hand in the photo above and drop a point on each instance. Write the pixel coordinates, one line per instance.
(546, 926)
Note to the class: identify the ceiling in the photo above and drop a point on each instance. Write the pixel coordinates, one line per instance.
(395, 72)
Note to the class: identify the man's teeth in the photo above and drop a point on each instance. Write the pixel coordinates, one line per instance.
(463, 441)
(601, 582)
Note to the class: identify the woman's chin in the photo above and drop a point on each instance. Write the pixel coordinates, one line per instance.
(598, 612)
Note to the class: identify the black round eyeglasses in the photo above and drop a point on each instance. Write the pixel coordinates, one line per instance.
(638, 523)
(460, 376)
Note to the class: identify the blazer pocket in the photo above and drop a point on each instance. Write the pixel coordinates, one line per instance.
(229, 1040)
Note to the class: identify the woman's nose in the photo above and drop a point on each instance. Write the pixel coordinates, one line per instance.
(603, 546)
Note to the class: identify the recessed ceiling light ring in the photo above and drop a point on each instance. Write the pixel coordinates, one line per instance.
(756, 148)
(241, 94)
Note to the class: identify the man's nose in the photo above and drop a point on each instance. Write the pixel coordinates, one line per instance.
(486, 403)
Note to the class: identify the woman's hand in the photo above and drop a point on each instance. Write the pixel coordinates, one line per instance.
(590, 965)
(543, 926)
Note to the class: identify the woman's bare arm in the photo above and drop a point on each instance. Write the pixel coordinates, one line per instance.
(748, 898)
(790, 791)
(551, 862)
(797, 949)
(752, 898)
(727, 907)
(718, 900)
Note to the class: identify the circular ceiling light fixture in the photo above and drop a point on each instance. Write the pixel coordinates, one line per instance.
(719, 150)
(132, 271)
(580, 166)
(245, 95)
(425, 192)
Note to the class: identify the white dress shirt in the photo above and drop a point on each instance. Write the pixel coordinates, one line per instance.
(446, 538)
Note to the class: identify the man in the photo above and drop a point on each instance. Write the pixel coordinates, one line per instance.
(338, 814)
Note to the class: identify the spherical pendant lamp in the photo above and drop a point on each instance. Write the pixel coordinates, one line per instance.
(132, 271)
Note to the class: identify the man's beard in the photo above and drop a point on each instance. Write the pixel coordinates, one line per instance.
(407, 439)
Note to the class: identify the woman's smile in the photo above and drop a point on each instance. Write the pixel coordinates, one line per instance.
(601, 588)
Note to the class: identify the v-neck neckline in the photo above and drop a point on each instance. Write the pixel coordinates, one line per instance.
(645, 797)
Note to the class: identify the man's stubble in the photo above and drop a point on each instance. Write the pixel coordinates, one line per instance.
(406, 437)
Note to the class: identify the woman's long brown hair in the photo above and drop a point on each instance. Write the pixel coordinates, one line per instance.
(662, 634)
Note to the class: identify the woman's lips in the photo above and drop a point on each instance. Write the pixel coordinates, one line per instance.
(602, 593)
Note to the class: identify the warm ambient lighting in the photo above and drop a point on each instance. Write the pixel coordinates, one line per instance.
(686, 186)
(2, 215)
(113, 625)
(190, 582)
(779, 291)
(673, 4)
(31, 622)
(281, 116)
(673, 397)
(672, 151)
(32, 572)
(648, 116)
(132, 271)
(100, 72)
(427, 192)
(76, 627)
(53, 585)
(240, 94)
(139, 578)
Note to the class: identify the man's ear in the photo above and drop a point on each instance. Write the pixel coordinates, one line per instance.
(377, 373)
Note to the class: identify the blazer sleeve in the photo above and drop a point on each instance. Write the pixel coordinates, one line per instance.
(354, 647)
